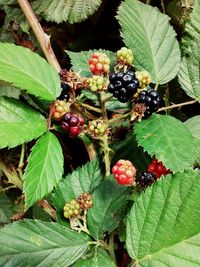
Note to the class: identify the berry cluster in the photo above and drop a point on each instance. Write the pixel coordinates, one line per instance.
(65, 92)
(74, 208)
(143, 77)
(123, 85)
(72, 124)
(155, 170)
(96, 83)
(99, 63)
(125, 56)
(85, 201)
(97, 128)
(60, 108)
(150, 99)
(124, 172)
(158, 169)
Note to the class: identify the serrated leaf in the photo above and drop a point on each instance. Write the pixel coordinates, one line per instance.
(63, 10)
(193, 125)
(35, 243)
(27, 70)
(129, 150)
(169, 140)
(19, 123)
(192, 30)
(153, 41)
(99, 258)
(84, 179)
(109, 208)
(115, 105)
(5, 209)
(79, 60)
(44, 169)
(189, 74)
(163, 227)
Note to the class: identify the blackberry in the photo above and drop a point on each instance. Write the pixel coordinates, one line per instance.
(72, 124)
(65, 92)
(150, 99)
(146, 179)
(123, 85)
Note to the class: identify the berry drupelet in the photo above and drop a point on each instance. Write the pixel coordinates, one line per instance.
(150, 99)
(123, 85)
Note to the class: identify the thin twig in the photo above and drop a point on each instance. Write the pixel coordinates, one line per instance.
(178, 105)
(42, 37)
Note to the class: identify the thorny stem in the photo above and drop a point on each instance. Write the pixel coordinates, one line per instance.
(178, 105)
(106, 151)
(21, 161)
(42, 37)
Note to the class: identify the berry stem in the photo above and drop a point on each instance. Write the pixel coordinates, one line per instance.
(98, 110)
(111, 248)
(178, 105)
(47, 208)
(119, 118)
(42, 37)
(21, 161)
(103, 106)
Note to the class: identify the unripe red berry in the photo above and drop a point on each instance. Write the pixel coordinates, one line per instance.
(124, 172)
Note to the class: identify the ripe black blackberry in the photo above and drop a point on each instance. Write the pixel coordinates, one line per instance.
(123, 85)
(146, 179)
(150, 99)
(65, 92)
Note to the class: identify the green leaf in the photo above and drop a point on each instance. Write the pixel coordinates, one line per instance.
(99, 259)
(189, 74)
(5, 209)
(84, 179)
(44, 169)
(27, 70)
(163, 227)
(63, 10)
(192, 30)
(169, 140)
(124, 150)
(153, 41)
(9, 91)
(109, 208)
(193, 124)
(79, 60)
(40, 214)
(35, 243)
(19, 123)
(115, 105)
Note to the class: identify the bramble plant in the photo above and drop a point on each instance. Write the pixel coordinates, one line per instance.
(100, 160)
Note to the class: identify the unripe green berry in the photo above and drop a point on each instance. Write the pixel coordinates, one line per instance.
(71, 209)
(97, 128)
(125, 56)
(143, 77)
(96, 83)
